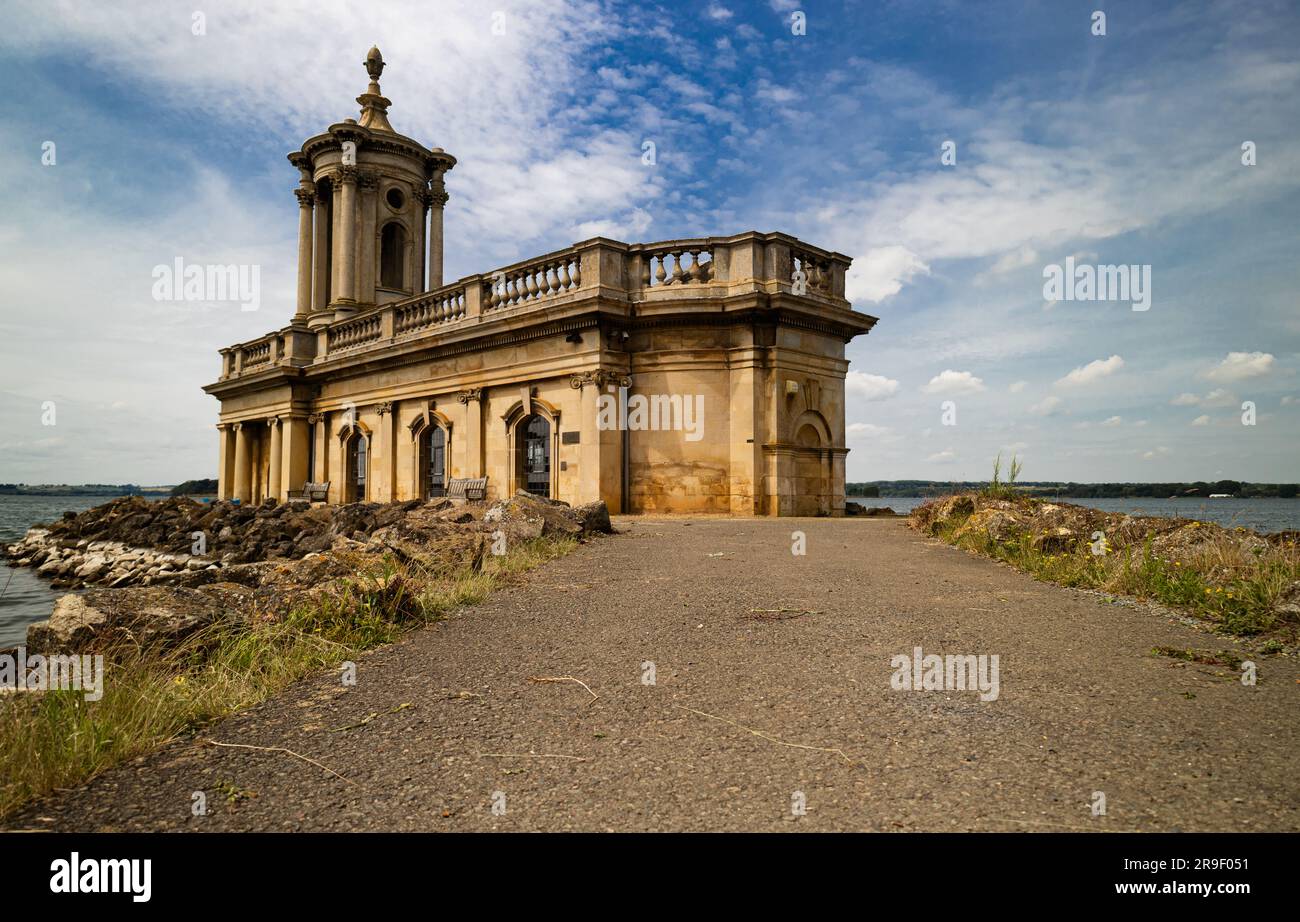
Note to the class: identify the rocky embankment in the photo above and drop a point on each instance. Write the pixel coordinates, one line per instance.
(1249, 583)
(148, 586)
(1054, 528)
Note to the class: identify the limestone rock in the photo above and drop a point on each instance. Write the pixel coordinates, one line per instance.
(594, 517)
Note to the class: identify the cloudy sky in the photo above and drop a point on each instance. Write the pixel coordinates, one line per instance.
(1117, 149)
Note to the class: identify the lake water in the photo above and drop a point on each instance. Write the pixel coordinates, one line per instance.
(28, 598)
(1261, 515)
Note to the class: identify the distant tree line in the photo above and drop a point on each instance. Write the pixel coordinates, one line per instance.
(1078, 490)
(84, 489)
(195, 488)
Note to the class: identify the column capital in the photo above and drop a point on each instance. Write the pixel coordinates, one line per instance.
(306, 197)
(235, 427)
(273, 421)
(367, 180)
(599, 378)
(473, 393)
(438, 192)
(384, 408)
(347, 174)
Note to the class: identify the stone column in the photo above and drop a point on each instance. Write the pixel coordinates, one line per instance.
(425, 198)
(473, 401)
(437, 198)
(346, 252)
(243, 490)
(319, 433)
(224, 457)
(306, 199)
(293, 465)
(273, 476)
(320, 312)
(383, 456)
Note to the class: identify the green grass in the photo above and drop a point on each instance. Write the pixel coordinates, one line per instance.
(998, 488)
(1235, 591)
(57, 739)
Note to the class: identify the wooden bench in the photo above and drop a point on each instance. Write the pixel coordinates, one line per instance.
(467, 487)
(313, 492)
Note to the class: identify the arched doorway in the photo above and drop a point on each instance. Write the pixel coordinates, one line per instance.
(433, 463)
(533, 451)
(356, 462)
(811, 474)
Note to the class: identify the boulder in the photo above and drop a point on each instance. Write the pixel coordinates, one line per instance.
(594, 517)
(998, 524)
(1056, 541)
(1287, 606)
(71, 626)
(105, 618)
(524, 516)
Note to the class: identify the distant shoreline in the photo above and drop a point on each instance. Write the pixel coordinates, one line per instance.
(1072, 490)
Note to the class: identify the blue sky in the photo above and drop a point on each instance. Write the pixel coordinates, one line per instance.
(1122, 148)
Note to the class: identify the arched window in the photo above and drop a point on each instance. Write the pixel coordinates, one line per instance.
(356, 460)
(534, 453)
(392, 255)
(436, 453)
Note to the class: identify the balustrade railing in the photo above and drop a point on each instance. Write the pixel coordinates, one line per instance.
(354, 332)
(652, 272)
(525, 284)
(691, 263)
(258, 353)
(432, 309)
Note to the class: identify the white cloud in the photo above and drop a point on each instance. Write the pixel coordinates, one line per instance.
(1048, 406)
(869, 387)
(1113, 421)
(1240, 365)
(868, 430)
(1092, 372)
(942, 457)
(1201, 420)
(1155, 453)
(1185, 400)
(951, 383)
(1018, 386)
(881, 272)
(717, 12)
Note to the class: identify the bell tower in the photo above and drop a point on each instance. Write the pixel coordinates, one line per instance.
(370, 206)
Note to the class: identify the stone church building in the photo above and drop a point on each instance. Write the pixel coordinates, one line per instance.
(695, 375)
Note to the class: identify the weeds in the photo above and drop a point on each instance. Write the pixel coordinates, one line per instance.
(57, 739)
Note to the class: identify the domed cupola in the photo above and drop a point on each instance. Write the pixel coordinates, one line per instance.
(370, 220)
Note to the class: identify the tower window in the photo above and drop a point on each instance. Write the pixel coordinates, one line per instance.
(392, 244)
(395, 199)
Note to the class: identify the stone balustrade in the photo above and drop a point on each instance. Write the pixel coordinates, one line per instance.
(533, 281)
(431, 309)
(654, 273)
(356, 331)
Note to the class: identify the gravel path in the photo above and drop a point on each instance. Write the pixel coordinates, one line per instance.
(748, 708)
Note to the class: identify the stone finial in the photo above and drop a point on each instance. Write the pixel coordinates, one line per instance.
(374, 64)
(374, 107)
